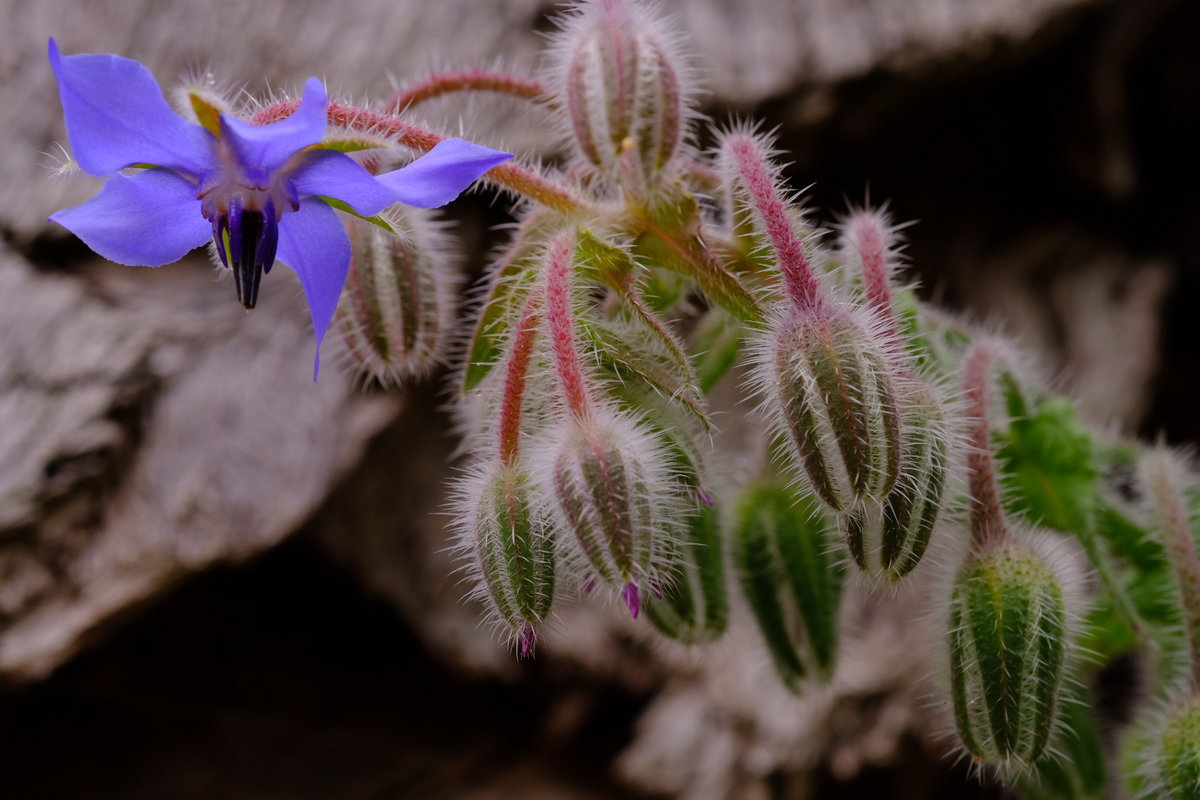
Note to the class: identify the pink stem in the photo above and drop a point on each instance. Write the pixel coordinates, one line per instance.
(476, 79)
(865, 233)
(987, 521)
(560, 321)
(798, 276)
(519, 357)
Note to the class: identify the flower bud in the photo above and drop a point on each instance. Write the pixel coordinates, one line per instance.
(694, 607)
(612, 490)
(1008, 640)
(512, 547)
(623, 85)
(397, 307)
(829, 386)
(1166, 758)
(887, 538)
(785, 558)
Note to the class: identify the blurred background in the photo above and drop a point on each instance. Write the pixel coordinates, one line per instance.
(218, 579)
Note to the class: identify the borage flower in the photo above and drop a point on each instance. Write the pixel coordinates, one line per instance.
(260, 192)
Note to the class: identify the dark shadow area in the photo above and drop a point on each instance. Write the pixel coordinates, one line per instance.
(280, 680)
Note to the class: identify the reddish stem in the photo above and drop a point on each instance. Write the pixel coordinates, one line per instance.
(560, 321)
(986, 516)
(1181, 547)
(509, 175)
(519, 356)
(476, 79)
(798, 278)
(865, 234)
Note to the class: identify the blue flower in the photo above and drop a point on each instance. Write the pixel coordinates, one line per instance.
(258, 191)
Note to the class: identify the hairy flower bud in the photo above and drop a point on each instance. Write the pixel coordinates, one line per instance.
(785, 558)
(624, 87)
(887, 538)
(504, 528)
(396, 310)
(1008, 642)
(612, 491)
(694, 606)
(1166, 756)
(828, 386)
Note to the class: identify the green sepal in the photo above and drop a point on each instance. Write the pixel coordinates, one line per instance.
(352, 142)
(695, 604)
(377, 220)
(784, 554)
(1077, 768)
(622, 357)
(670, 235)
(207, 115)
(716, 344)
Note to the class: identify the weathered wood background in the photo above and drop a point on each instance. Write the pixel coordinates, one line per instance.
(150, 431)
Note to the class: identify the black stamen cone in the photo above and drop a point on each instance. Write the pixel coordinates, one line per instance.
(245, 232)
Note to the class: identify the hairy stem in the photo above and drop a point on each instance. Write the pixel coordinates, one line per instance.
(561, 324)
(1172, 510)
(519, 355)
(986, 514)
(476, 79)
(799, 280)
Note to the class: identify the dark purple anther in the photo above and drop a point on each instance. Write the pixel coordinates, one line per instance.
(632, 599)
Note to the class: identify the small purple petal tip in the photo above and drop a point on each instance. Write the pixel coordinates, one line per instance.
(528, 641)
(632, 599)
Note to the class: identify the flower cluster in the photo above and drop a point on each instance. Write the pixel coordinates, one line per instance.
(639, 279)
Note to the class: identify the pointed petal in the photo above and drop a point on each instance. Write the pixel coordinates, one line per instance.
(116, 117)
(442, 174)
(313, 242)
(333, 174)
(268, 147)
(147, 220)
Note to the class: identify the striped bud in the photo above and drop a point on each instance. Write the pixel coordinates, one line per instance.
(512, 545)
(613, 492)
(622, 81)
(396, 310)
(694, 607)
(1166, 758)
(887, 538)
(1008, 640)
(828, 384)
(785, 558)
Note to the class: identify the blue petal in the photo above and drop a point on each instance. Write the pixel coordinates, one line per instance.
(268, 147)
(333, 174)
(442, 174)
(116, 117)
(313, 242)
(147, 220)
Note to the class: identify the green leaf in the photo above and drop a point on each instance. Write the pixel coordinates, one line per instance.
(1049, 459)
